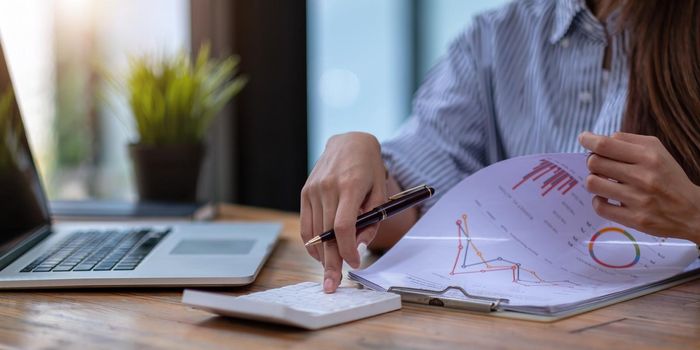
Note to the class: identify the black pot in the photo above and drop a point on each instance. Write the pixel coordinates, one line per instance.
(167, 173)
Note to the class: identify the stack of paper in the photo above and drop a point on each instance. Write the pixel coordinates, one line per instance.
(524, 231)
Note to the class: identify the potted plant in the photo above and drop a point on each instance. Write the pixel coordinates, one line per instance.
(173, 101)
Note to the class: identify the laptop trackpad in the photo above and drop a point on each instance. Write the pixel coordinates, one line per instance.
(213, 247)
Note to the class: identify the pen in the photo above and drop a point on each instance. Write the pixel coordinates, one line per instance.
(396, 204)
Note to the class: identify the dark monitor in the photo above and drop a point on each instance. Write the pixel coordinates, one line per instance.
(23, 205)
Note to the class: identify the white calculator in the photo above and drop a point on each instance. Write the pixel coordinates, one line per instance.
(303, 305)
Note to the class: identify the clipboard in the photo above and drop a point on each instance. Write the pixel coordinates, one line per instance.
(498, 306)
(473, 303)
(439, 298)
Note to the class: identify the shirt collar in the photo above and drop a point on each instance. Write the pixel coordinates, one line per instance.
(564, 14)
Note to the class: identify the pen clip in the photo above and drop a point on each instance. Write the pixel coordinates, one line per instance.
(409, 191)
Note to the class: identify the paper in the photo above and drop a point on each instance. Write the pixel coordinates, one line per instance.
(525, 230)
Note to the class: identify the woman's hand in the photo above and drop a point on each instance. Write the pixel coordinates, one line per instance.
(656, 195)
(348, 179)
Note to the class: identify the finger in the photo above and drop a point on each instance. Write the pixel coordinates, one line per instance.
(618, 214)
(344, 226)
(329, 201)
(321, 253)
(317, 218)
(377, 197)
(609, 189)
(653, 155)
(609, 168)
(611, 148)
(635, 138)
(332, 267)
(367, 234)
(307, 225)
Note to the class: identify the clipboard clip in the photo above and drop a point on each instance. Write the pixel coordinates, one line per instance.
(439, 298)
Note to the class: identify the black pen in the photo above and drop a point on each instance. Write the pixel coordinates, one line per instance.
(396, 204)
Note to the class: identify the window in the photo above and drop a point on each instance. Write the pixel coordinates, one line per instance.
(366, 58)
(58, 52)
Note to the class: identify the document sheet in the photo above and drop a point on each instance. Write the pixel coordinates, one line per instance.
(524, 230)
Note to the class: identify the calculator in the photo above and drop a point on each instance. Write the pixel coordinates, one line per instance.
(304, 305)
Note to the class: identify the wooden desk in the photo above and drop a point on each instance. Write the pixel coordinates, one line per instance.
(142, 319)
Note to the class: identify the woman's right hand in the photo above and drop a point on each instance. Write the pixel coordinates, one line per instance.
(348, 179)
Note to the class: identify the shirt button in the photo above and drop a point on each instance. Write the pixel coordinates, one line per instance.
(588, 27)
(565, 42)
(585, 96)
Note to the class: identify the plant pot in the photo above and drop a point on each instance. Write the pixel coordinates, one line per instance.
(167, 173)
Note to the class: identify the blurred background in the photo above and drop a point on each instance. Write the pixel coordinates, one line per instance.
(316, 68)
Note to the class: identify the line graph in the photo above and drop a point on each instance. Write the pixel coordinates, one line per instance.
(464, 265)
(558, 178)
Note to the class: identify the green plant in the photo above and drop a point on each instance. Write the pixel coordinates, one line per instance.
(173, 100)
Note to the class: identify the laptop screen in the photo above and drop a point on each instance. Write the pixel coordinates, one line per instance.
(23, 207)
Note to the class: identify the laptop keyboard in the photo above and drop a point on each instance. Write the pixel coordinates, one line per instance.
(109, 250)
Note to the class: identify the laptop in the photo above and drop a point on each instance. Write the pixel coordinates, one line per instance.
(36, 253)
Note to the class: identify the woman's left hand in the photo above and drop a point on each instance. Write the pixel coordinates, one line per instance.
(655, 194)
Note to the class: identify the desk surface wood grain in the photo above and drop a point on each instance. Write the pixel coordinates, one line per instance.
(155, 318)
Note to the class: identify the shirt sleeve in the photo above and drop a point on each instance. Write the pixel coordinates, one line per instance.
(445, 138)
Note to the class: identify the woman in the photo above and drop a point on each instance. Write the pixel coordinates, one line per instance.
(532, 77)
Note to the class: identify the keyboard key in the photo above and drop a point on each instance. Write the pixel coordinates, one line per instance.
(60, 268)
(82, 267)
(46, 266)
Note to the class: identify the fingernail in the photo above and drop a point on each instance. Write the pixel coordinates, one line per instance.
(328, 285)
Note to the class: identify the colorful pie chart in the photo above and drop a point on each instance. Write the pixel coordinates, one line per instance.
(623, 233)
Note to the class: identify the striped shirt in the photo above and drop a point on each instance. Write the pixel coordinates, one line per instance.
(526, 78)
